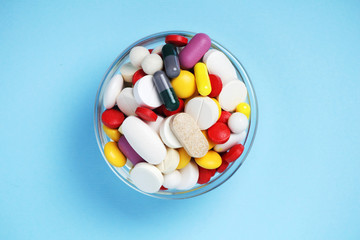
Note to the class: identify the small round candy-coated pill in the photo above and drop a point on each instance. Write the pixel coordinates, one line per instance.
(146, 177)
(233, 154)
(205, 175)
(202, 79)
(152, 63)
(238, 122)
(211, 143)
(211, 160)
(171, 161)
(177, 40)
(112, 118)
(223, 166)
(244, 108)
(137, 55)
(171, 61)
(170, 113)
(224, 117)
(216, 85)
(150, 50)
(146, 114)
(163, 188)
(184, 85)
(184, 158)
(138, 75)
(128, 151)
(113, 134)
(114, 155)
(165, 91)
(219, 133)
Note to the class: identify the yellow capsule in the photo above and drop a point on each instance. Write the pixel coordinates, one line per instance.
(211, 143)
(113, 134)
(244, 108)
(184, 84)
(114, 155)
(184, 158)
(218, 104)
(211, 160)
(202, 79)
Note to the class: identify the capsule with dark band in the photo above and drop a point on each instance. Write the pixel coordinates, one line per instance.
(171, 60)
(166, 91)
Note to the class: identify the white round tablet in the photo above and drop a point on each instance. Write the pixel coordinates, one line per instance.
(126, 102)
(235, 138)
(204, 111)
(146, 94)
(137, 55)
(232, 94)
(170, 162)
(167, 136)
(172, 180)
(146, 177)
(238, 122)
(217, 63)
(127, 71)
(113, 90)
(152, 63)
(189, 176)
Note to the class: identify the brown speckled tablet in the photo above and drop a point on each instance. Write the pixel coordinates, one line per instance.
(189, 135)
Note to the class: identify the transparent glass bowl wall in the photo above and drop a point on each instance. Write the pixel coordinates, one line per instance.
(123, 173)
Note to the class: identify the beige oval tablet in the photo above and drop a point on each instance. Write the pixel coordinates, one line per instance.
(189, 135)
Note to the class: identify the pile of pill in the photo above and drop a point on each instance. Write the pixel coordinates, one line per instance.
(176, 114)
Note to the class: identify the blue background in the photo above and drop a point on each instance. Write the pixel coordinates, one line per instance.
(300, 181)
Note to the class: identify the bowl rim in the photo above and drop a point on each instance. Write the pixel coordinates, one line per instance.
(253, 123)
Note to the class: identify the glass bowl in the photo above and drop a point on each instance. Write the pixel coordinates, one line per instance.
(123, 173)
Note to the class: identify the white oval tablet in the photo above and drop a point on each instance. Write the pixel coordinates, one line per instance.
(235, 138)
(217, 63)
(170, 162)
(167, 136)
(152, 63)
(238, 122)
(126, 102)
(137, 55)
(206, 55)
(127, 71)
(232, 94)
(146, 94)
(113, 90)
(143, 140)
(146, 177)
(157, 50)
(172, 180)
(189, 176)
(156, 125)
(204, 111)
